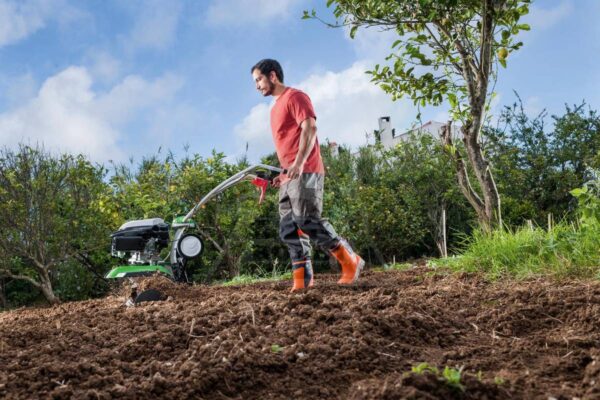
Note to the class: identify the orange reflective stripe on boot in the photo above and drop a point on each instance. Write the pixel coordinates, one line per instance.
(351, 263)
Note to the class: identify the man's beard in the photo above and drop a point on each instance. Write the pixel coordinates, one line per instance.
(269, 90)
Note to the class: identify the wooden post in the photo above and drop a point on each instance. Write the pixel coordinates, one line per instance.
(530, 224)
(2, 293)
(445, 245)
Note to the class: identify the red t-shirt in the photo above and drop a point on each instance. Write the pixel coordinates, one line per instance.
(291, 108)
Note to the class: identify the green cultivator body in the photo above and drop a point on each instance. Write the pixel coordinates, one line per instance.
(128, 271)
(143, 240)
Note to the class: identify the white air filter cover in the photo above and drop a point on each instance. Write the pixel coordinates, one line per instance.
(190, 246)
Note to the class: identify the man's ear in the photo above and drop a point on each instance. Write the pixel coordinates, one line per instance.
(273, 77)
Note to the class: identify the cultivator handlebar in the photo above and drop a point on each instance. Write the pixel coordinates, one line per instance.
(257, 171)
(259, 175)
(144, 239)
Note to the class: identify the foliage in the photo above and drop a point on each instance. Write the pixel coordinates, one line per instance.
(275, 348)
(384, 203)
(566, 249)
(446, 51)
(451, 376)
(537, 166)
(387, 203)
(588, 197)
(424, 367)
(422, 171)
(441, 43)
(49, 214)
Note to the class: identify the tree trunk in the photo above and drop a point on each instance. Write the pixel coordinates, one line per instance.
(46, 288)
(487, 209)
(489, 214)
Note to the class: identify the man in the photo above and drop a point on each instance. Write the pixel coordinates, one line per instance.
(293, 125)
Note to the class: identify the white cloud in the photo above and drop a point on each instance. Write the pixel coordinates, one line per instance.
(372, 43)
(67, 115)
(20, 19)
(156, 26)
(256, 131)
(348, 106)
(135, 93)
(247, 12)
(544, 18)
(102, 65)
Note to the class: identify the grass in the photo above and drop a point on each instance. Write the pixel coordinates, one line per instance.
(392, 267)
(260, 275)
(564, 251)
(249, 279)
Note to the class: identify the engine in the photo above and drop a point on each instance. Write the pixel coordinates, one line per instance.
(142, 239)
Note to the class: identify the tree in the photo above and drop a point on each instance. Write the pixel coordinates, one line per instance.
(537, 165)
(447, 50)
(47, 207)
(421, 171)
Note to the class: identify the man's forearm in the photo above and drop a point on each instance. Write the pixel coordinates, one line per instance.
(308, 137)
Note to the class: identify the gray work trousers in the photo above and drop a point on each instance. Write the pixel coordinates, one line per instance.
(300, 207)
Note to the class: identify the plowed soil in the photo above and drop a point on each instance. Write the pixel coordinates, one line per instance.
(524, 340)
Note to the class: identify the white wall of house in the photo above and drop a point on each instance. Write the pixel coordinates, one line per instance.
(389, 138)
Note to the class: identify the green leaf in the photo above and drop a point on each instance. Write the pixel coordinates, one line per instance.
(523, 10)
(275, 348)
(452, 100)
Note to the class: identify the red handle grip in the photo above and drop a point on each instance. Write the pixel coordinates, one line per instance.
(262, 184)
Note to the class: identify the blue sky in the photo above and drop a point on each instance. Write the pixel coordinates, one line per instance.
(119, 79)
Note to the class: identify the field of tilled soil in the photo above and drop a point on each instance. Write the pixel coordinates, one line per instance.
(522, 340)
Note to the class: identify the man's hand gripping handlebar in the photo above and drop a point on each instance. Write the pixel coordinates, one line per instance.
(263, 179)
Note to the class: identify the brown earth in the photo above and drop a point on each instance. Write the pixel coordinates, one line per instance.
(525, 340)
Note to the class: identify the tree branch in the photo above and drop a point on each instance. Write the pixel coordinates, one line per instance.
(207, 236)
(8, 274)
(468, 67)
(444, 49)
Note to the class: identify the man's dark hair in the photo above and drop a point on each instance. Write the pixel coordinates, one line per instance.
(266, 66)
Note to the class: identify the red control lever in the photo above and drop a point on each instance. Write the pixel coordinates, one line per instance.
(262, 184)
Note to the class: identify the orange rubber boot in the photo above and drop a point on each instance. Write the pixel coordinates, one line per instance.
(351, 263)
(302, 275)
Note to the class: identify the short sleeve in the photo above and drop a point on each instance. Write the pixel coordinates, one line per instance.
(300, 107)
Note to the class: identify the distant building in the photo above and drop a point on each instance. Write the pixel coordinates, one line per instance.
(334, 147)
(388, 137)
